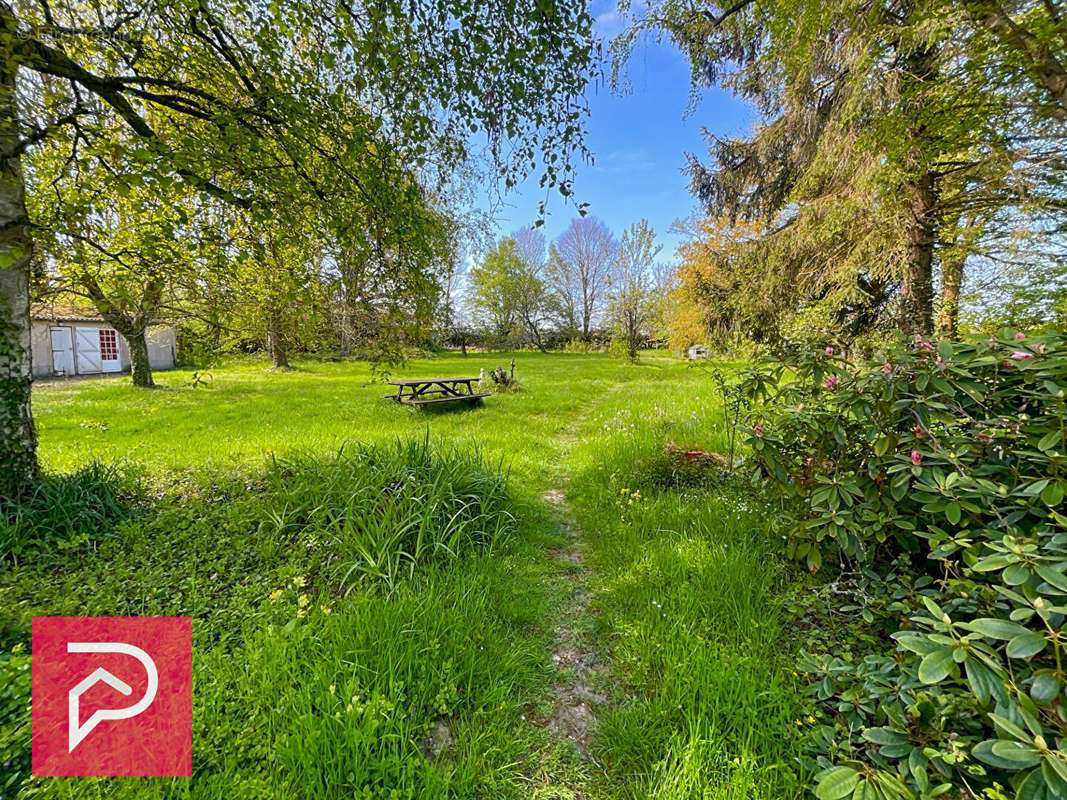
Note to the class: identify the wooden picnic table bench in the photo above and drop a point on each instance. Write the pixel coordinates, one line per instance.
(423, 391)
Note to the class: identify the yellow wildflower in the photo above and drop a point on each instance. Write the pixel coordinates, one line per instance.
(325, 609)
(302, 601)
(299, 581)
(276, 594)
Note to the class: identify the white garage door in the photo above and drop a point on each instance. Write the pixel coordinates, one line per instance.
(87, 341)
(62, 351)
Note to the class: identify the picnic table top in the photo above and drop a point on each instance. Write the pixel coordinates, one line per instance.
(420, 381)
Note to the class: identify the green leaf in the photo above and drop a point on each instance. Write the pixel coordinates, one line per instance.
(1052, 577)
(1049, 440)
(884, 736)
(836, 783)
(995, 628)
(915, 642)
(936, 666)
(1016, 753)
(983, 751)
(952, 513)
(1032, 787)
(983, 682)
(1016, 574)
(1025, 645)
(1052, 494)
(1045, 688)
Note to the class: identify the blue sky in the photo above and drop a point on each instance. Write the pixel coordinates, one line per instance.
(639, 141)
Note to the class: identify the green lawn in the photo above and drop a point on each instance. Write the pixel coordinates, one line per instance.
(311, 594)
(245, 413)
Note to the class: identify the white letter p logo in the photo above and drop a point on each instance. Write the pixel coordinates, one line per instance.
(76, 732)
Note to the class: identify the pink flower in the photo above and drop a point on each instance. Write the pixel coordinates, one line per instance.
(919, 432)
(887, 368)
(926, 346)
(985, 438)
(829, 351)
(759, 430)
(916, 457)
(831, 382)
(1018, 354)
(1019, 335)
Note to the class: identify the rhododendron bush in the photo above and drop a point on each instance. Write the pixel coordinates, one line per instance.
(939, 467)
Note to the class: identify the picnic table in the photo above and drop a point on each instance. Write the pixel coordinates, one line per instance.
(423, 391)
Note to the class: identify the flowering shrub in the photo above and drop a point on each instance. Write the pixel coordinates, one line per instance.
(948, 458)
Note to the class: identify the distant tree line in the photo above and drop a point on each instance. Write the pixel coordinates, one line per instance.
(587, 289)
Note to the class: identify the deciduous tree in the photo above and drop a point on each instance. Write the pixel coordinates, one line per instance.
(578, 267)
(631, 287)
(263, 104)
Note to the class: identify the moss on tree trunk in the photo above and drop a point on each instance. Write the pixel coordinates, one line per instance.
(140, 368)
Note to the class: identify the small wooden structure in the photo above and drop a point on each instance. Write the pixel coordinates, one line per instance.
(697, 351)
(423, 391)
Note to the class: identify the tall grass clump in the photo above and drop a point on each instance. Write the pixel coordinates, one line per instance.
(344, 608)
(60, 512)
(377, 513)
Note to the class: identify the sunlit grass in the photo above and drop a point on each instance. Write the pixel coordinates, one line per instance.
(353, 588)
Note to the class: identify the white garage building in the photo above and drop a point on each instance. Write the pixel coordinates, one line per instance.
(72, 341)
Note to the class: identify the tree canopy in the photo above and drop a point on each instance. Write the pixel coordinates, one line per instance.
(352, 116)
(897, 142)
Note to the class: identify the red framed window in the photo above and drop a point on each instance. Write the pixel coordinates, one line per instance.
(109, 345)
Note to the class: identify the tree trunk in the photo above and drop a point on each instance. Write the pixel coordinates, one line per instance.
(140, 368)
(131, 326)
(1043, 67)
(949, 307)
(18, 439)
(917, 288)
(279, 355)
(536, 335)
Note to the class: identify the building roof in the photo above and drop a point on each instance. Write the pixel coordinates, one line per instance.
(54, 312)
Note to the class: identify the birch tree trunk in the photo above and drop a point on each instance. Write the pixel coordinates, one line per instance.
(18, 439)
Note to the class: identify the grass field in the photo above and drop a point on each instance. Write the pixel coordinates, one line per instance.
(254, 503)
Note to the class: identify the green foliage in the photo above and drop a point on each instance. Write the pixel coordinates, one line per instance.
(631, 295)
(333, 602)
(509, 293)
(892, 136)
(950, 459)
(379, 514)
(60, 513)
